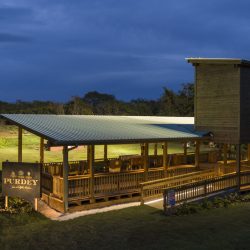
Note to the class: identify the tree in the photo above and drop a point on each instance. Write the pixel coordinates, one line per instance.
(102, 104)
(167, 103)
(78, 107)
(185, 102)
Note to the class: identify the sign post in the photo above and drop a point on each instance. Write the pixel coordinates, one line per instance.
(6, 202)
(171, 200)
(171, 197)
(21, 180)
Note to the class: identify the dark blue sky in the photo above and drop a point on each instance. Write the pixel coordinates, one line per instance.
(55, 49)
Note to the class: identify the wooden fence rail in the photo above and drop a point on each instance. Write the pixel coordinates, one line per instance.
(129, 162)
(203, 188)
(108, 184)
(47, 183)
(154, 189)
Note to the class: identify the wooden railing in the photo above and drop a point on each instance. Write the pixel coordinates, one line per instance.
(154, 189)
(231, 167)
(55, 168)
(108, 184)
(47, 183)
(117, 183)
(127, 163)
(58, 187)
(79, 186)
(245, 179)
(204, 188)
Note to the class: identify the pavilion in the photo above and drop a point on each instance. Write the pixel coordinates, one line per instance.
(222, 116)
(100, 180)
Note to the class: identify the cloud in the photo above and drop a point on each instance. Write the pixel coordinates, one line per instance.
(13, 38)
(128, 48)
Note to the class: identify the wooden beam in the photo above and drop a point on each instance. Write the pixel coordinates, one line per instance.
(155, 149)
(41, 150)
(145, 161)
(20, 144)
(165, 157)
(225, 149)
(65, 178)
(238, 164)
(197, 154)
(90, 159)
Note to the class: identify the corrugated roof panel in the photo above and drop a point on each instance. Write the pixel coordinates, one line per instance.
(88, 129)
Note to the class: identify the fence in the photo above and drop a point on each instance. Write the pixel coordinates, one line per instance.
(108, 184)
(204, 188)
(153, 189)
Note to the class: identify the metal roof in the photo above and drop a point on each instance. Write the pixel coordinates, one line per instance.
(91, 129)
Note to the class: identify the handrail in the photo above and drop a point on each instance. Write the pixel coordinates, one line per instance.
(200, 189)
(176, 177)
(153, 189)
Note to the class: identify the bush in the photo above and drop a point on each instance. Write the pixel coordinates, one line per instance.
(16, 206)
(217, 202)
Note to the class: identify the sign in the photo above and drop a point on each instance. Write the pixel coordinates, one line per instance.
(21, 180)
(171, 197)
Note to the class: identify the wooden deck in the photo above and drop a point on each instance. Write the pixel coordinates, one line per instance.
(104, 188)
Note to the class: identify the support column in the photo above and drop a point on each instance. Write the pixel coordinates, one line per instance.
(65, 178)
(90, 159)
(225, 149)
(185, 148)
(145, 161)
(105, 154)
(155, 149)
(20, 144)
(165, 157)
(238, 164)
(41, 150)
(197, 154)
(142, 149)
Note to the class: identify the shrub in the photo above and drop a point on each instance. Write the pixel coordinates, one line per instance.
(16, 205)
(217, 202)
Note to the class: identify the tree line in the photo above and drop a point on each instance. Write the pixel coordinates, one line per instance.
(170, 103)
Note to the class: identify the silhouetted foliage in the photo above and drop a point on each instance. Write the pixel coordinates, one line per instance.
(169, 104)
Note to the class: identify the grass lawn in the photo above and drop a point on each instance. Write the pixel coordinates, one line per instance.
(132, 228)
(8, 148)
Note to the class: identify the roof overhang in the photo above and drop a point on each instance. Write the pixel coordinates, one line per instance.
(234, 61)
(69, 130)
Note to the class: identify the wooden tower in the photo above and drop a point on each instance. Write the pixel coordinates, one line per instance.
(222, 98)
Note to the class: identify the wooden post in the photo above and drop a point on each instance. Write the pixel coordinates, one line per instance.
(20, 144)
(142, 149)
(36, 204)
(41, 150)
(155, 149)
(197, 154)
(105, 157)
(65, 177)
(165, 157)
(90, 159)
(248, 152)
(145, 161)
(238, 164)
(6, 202)
(185, 148)
(225, 148)
(105, 152)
